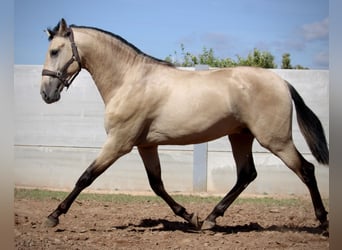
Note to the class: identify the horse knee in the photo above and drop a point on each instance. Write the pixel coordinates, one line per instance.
(247, 178)
(86, 178)
(156, 185)
(157, 188)
(247, 174)
(253, 176)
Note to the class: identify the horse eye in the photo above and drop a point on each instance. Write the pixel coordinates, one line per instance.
(54, 53)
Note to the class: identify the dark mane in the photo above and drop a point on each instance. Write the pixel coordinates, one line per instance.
(125, 42)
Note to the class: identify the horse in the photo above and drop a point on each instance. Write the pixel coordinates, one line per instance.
(150, 102)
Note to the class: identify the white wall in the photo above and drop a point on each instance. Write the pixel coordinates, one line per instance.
(55, 143)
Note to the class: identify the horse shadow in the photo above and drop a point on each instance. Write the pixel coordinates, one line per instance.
(162, 225)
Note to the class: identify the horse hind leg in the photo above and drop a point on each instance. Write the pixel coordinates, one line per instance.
(246, 173)
(288, 153)
(151, 161)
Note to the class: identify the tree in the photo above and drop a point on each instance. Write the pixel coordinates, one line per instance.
(286, 61)
(299, 67)
(188, 60)
(256, 58)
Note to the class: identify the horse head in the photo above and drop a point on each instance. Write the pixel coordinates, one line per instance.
(62, 63)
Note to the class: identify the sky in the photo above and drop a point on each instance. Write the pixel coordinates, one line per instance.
(158, 28)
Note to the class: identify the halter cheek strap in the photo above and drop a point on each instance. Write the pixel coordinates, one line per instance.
(62, 74)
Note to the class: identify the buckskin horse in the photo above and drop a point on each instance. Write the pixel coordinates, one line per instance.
(149, 102)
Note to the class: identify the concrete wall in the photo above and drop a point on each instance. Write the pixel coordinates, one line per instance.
(55, 143)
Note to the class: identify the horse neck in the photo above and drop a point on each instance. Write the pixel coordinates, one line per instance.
(107, 59)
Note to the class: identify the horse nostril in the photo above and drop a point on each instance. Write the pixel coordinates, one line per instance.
(44, 96)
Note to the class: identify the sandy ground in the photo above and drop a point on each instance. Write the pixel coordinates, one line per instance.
(152, 225)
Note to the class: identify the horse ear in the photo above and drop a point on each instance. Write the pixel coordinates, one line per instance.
(48, 33)
(62, 26)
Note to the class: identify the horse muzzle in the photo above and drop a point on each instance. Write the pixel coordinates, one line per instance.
(51, 90)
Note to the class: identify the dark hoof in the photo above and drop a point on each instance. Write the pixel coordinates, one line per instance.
(194, 220)
(324, 225)
(207, 225)
(51, 221)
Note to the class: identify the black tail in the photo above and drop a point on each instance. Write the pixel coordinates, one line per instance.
(311, 128)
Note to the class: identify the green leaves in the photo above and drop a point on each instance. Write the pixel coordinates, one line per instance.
(256, 58)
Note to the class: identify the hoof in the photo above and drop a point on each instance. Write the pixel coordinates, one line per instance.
(194, 220)
(207, 225)
(324, 225)
(51, 221)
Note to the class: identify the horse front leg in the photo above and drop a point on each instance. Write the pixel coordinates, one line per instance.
(151, 161)
(110, 152)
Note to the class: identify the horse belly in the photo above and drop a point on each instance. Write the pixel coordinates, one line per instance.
(191, 131)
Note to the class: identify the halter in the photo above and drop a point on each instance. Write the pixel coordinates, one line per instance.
(62, 74)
